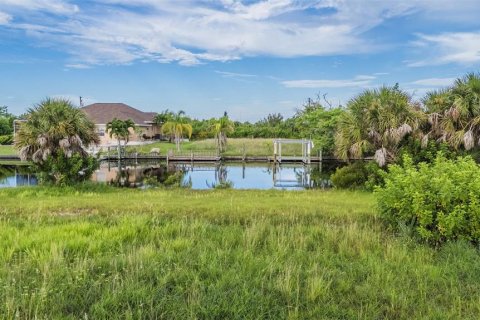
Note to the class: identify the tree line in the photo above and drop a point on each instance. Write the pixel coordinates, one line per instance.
(382, 123)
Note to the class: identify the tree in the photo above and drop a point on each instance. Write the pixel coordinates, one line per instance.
(377, 121)
(454, 114)
(316, 122)
(120, 130)
(221, 128)
(54, 137)
(6, 126)
(178, 127)
(161, 118)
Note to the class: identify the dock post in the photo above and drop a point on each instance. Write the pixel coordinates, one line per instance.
(275, 152)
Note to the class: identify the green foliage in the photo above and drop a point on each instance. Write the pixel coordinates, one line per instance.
(437, 202)
(376, 122)
(64, 170)
(358, 175)
(220, 128)
(318, 123)
(6, 139)
(163, 117)
(120, 129)
(418, 153)
(349, 177)
(6, 123)
(178, 127)
(57, 131)
(224, 184)
(454, 113)
(174, 179)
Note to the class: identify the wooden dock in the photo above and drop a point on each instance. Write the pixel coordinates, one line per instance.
(200, 157)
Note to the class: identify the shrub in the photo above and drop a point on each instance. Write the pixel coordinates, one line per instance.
(428, 153)
(358, 175)
(6, 139)
(437, 201)
(64, 170)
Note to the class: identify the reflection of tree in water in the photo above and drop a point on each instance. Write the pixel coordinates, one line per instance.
(23, 174)
(6, 171)
(221, 178)
(134, 174)
(123, 177)
(317, 175)
(321, 172)
(167, 176)
(221, 173)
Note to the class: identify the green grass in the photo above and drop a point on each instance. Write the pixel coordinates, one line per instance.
(235, 147)
(7, 150)
(103, 253)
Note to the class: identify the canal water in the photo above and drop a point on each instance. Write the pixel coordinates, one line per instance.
(196, 175)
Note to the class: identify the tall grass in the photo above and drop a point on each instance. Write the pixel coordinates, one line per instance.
(103, 253)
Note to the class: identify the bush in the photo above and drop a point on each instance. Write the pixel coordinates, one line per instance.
(6, 139)
(428, 153)
(358, 175)
(436, 202)
(63, 170)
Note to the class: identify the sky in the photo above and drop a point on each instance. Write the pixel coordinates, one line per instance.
(249, 58)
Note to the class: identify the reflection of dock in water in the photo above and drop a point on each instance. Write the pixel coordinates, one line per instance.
(302, 178)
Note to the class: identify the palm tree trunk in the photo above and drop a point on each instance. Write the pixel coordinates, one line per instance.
(119, 155)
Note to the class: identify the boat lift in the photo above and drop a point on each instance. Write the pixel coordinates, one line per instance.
(307, 146)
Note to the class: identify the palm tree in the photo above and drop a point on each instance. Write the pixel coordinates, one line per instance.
(54, 128)
(120, 129)
(178, 127)
(220, 129)
(454, 113)
(376, 121)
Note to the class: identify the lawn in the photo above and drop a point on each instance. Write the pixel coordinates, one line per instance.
(235, 147)
(7, 150)
(104, 253)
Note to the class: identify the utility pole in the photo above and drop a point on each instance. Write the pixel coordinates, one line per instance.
(81, 102)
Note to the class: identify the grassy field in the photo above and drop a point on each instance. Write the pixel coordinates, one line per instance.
(235, 147)
(102, 253)
(7, 150)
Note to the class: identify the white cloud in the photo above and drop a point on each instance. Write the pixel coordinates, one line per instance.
(54, 6)
(227, 74)
(77, 66)
(4, 18)
(459, 47)
(193, 32)
(358, 81)
(434, 82)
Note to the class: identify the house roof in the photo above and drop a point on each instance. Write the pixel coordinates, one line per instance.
(102, 113)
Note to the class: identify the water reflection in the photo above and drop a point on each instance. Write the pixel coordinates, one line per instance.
(255, 176)
(198, 175)
(16, 176)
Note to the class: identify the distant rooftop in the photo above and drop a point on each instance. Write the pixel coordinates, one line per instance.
(102, 113)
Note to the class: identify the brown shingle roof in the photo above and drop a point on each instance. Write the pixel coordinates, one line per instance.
(102, 113)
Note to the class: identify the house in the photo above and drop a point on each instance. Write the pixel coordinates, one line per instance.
(102, 113)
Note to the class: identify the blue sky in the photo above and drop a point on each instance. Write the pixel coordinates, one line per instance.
(248, 58)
